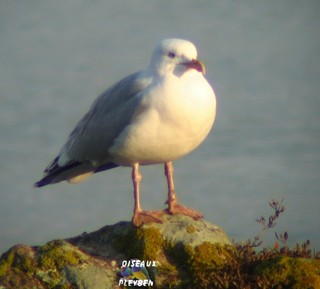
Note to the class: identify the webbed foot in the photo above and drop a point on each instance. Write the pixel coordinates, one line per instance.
(174, 208)
(145, 217)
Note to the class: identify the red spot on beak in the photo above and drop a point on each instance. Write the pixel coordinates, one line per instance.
(196, 64)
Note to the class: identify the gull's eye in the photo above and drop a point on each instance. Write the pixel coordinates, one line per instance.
(171, 55)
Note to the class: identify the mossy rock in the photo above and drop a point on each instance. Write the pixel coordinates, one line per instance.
(18, 267)
(47, 266)
(173, 244)
(58, 254)
(189, 254)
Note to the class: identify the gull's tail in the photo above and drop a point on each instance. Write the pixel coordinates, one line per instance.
(73, 172)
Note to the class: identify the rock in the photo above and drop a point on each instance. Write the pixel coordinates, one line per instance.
(175, 230)
(179, 253)
(182, 229)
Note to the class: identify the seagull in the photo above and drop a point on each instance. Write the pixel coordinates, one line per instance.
(153, 116)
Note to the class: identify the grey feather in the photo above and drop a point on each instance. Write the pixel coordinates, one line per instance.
(106, 119)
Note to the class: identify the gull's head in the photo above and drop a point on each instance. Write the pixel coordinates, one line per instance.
(175, 56)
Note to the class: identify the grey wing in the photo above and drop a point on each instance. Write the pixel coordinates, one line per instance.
(108, 116)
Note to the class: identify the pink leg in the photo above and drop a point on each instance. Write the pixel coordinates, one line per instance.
(173, 206)
(136, 179)
(139, 216)
(172, 197)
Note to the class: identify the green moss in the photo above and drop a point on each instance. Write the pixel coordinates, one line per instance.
(209, 255)
(6, 262)
(142, 243)
(52, 258)
(295, 273)
(205, 260)
(18, 268)
(19, 258)
(181, 264)
(25, 267)
(57, 254)
(151, 241)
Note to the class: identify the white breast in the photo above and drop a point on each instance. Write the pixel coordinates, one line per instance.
(174, 117)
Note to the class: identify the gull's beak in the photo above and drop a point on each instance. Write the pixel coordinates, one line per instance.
(195, 64)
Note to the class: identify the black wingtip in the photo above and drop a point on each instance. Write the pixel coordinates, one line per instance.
(37, 185)
(53, 176)
(43, 182)
(53, 171)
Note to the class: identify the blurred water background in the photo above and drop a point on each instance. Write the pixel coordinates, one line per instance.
(262, 58)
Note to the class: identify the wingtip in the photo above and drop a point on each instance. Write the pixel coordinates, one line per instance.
(54, 176)
(43, 182)
(39, 184)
